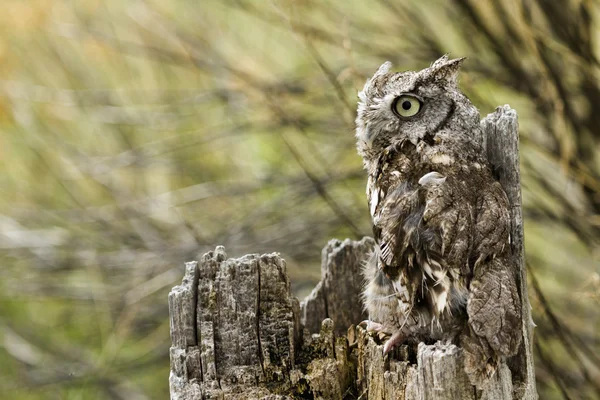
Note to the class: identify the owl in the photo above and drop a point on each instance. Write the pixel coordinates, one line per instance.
(442, 268)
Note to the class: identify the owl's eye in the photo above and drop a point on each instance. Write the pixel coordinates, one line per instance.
(406, 106)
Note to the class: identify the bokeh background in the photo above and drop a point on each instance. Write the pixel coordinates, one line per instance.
(136, 135)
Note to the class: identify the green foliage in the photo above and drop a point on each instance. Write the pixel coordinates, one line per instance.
(137, 135)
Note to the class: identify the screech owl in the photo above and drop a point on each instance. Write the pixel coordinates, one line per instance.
(442, 268)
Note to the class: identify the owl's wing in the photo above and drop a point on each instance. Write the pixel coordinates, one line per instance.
(468, 236)
(492, 230)
(423, 225)
(449, 217)
(396, 223)
(494, 307)
(424, 222)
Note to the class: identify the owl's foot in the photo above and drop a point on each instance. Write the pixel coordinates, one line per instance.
(375, 327)
(393, 341)
(371, 326)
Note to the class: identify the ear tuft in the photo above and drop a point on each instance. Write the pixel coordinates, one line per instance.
(383, 69)
(444, 69)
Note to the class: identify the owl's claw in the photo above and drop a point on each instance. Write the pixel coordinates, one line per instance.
(371, 326)
(392, 342)
(375, 327)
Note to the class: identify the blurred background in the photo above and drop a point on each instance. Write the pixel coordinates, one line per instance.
(136, 135)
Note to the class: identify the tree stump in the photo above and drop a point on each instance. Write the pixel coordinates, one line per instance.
(237, 332)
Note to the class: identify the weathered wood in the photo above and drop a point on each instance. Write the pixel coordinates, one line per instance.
(184, 351)
(501, 142)
(337, 295)
(238, 333)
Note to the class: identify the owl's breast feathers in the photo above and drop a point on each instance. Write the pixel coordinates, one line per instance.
(434, 224)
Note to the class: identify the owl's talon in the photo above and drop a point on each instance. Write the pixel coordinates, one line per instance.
(392, 342)
(371, 326)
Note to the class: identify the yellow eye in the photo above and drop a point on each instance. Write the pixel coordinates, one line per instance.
(407, 106)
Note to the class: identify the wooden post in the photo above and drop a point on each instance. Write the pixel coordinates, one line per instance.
(237, 332)
(501, 142)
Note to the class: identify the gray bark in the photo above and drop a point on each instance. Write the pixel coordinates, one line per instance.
(237, 332)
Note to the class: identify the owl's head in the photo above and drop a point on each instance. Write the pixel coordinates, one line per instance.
(416, 106)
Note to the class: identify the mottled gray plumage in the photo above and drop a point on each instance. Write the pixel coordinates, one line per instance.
(441, 220)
